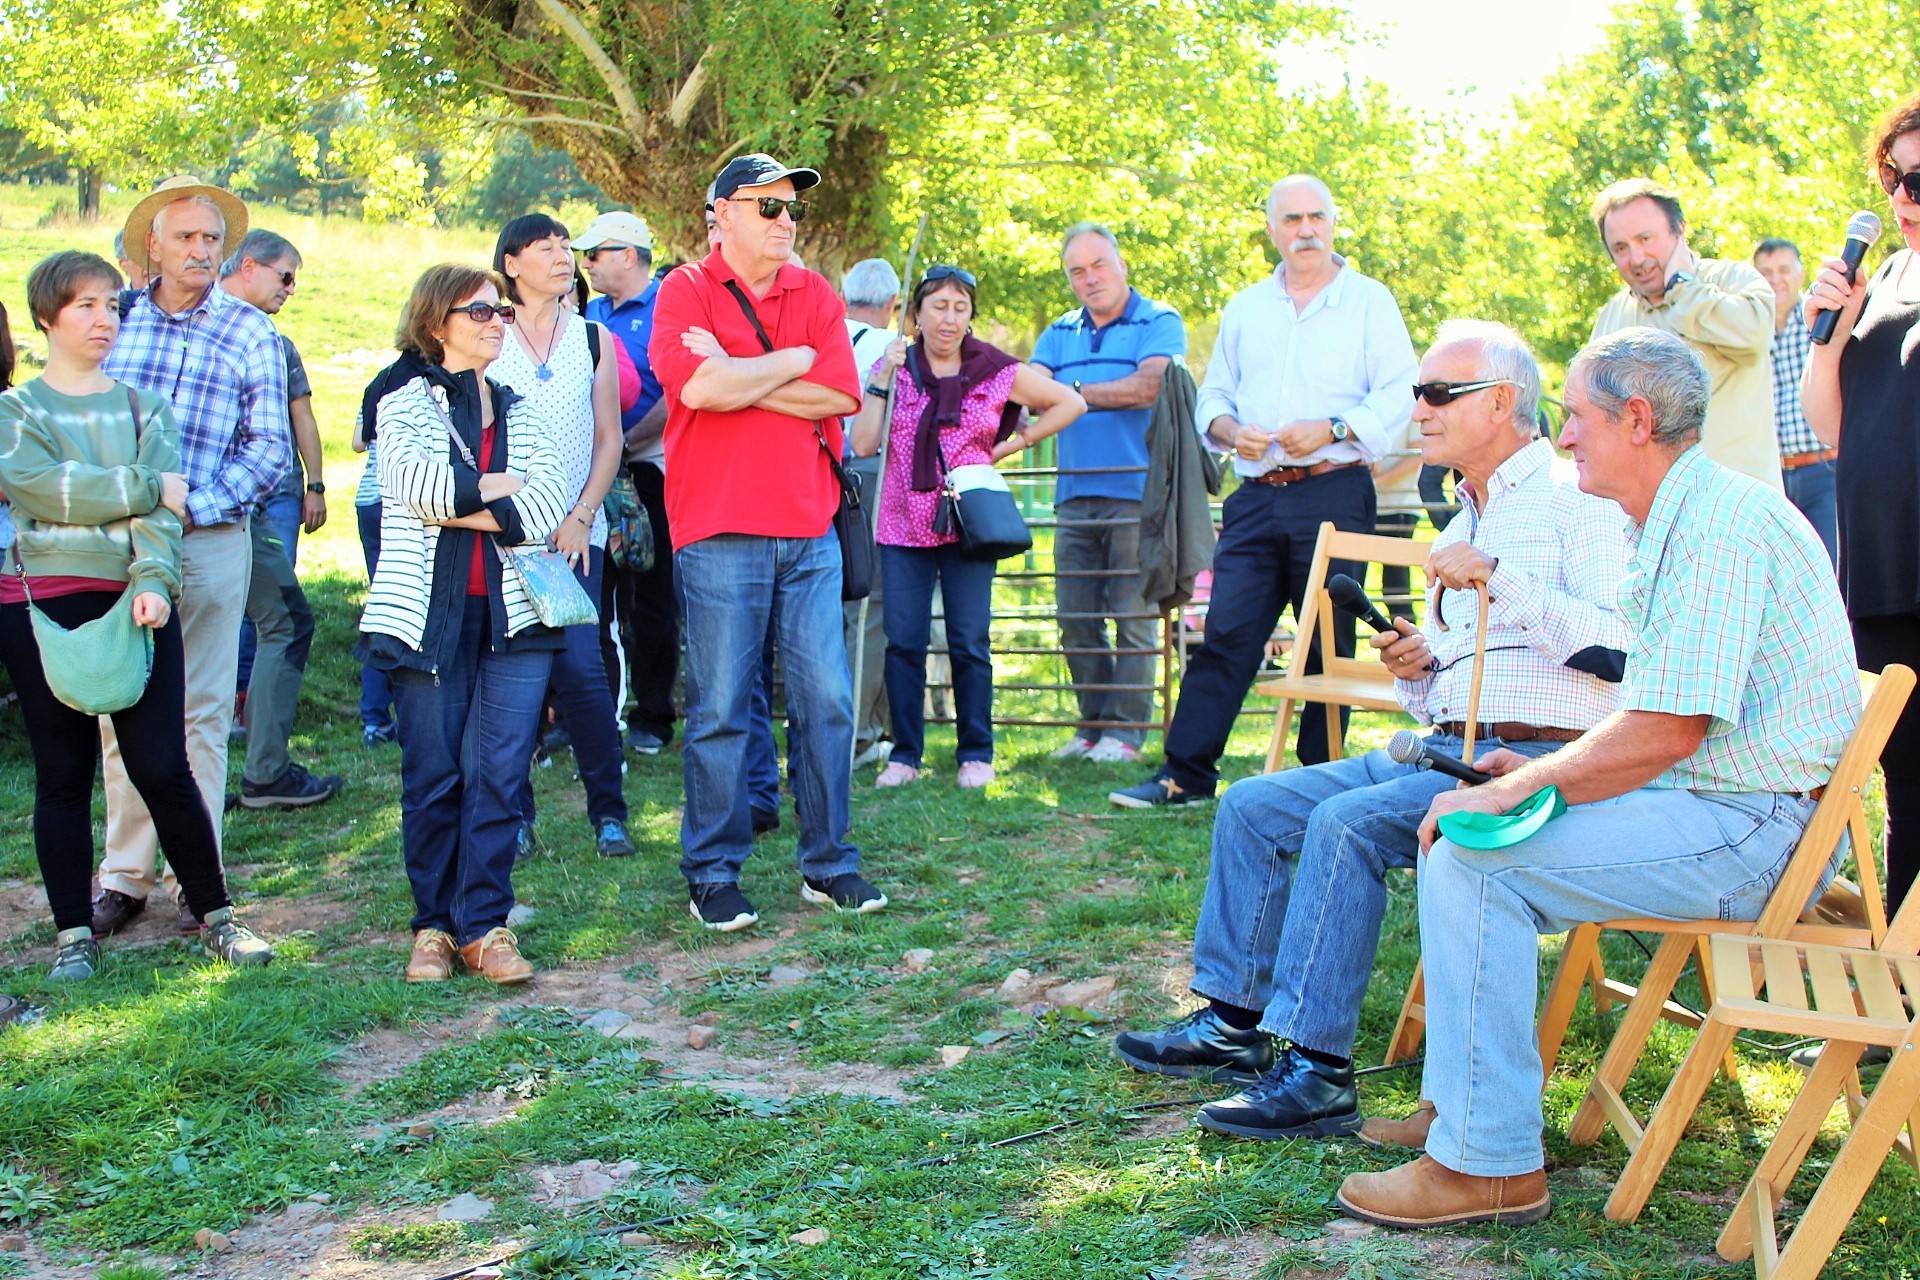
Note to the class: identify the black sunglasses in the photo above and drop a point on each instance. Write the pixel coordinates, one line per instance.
(593, 254)
(482, 312)
(1439, 393)
(1890, 178)
(770, 207)
(286, 279)
(936, 274)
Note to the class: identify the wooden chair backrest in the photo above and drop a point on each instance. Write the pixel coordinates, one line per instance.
(1317, 608)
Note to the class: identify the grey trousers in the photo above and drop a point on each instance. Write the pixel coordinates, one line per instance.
(1105, 547)
(281, 619)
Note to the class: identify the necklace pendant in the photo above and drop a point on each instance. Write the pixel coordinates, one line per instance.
(545, 374)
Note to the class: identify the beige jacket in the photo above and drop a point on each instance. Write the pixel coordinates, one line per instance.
(1726, 315)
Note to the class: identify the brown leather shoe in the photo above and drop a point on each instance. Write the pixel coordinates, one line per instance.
(188, 923)
(434, 956)
(496, 957)
(1408, 1131)
(1428, 1194)
(114, 911)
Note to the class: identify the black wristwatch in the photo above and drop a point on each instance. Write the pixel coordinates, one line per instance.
(876, 391)
(316, 486)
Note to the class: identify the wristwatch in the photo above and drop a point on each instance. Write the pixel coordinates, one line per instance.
(1338, 426)
(316, 486)
(876, 391)
(1076, 386)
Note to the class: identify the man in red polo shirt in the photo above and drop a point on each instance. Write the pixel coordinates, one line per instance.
(754, 357)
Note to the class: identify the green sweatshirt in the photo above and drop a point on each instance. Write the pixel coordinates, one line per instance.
(86, 498)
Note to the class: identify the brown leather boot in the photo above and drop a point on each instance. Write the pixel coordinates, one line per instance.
(1408, 1131)
(496, 957)
(1428, 1194)
(434, 956)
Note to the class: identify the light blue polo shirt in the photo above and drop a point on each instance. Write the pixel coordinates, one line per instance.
(1077, 350)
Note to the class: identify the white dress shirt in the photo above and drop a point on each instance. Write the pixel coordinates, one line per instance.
(1346, 355)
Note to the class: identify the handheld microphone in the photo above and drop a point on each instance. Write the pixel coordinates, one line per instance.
(1351, 596)
(1863, 228)
(1408, 747)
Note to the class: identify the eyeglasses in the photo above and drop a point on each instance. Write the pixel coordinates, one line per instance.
(1892, 178)
(935, 274)
(286, 279)
(593, 255)
(770, 207)
(484, 312)
(1439, 393)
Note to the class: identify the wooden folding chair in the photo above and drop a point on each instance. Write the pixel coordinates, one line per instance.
(1358, 681)
(1860, 997)
(1845, 916)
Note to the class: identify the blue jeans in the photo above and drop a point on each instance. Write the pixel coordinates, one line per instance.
(376, 690)
(734, 588)
(281, 511)
(1298, 886)
(1669, 854)
(763, 753)
(1811, 488)
(465, 739)
(579, 690)
(966, 592)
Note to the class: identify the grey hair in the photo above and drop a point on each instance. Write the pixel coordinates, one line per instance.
(264, 247)
(1657, 366)
(1079, 229)
(120, 244)
(1504, 354)
(1273, 193)
(208, 201)
(871, 282)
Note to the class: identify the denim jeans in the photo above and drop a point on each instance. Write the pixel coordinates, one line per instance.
(733, 589)
(1298, 886)
(579, 690)
(376, 690)
(1668, 854)
(281, 514)
(763, 753)
(1811, 489)
(465, 739)
(966, 588)
(1084, 543)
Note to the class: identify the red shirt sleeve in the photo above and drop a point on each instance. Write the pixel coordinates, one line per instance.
(679, 307)
(833, 349)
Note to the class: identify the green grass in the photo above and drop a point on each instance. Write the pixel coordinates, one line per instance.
(167, 1096)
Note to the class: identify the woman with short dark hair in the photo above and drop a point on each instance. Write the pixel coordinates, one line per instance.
(92, 470)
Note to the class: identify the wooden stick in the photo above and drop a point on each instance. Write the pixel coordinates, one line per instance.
(1479, 670)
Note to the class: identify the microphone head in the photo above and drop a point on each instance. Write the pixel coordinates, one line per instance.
(1405, 747)
(1864, 226)
(1347, 593)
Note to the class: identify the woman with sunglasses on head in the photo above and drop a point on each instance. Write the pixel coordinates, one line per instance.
(93, 472)
(572, 383)
(467, 471)
(1861, 393)
(956, 402)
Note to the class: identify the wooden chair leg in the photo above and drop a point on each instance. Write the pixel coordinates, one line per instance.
(1703, 965)
(1336, 740)
(1669, 1119)
(1776, 1170)
(1411, 1027)
(1277, 745)
(1597, 976)
(1630, 1037)
(1563, 995)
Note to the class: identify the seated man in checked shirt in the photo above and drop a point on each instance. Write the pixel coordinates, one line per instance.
(1297, 888)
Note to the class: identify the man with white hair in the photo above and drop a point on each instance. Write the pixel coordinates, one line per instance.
(872, 292)
(1737, 697)
(219, 361)
(1298, 883)
(1308, 386)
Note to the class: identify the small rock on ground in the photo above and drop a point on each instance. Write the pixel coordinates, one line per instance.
(699, 1037)
(918, 960)
(607, 1021)
(465, 1207)
(13, 1242)
(211, 1240)
(812, 1235)
(951, 1054)
(1087, 993)
(786, 975)
(636, 1239)
(522, 914)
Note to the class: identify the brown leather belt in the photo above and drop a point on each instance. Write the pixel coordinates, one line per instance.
(1511, 731)
(1280, 477)
(1789, 462)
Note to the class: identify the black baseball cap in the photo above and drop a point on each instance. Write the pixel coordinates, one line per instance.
(757, 170)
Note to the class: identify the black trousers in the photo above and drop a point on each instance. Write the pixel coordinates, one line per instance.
(650, 616)
(1879, 641)
(66, 758)
(1267, 538)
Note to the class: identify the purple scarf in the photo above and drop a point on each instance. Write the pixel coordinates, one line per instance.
(979, 361)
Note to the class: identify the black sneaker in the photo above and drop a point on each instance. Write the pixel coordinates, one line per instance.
(846, 892)
(1201, 1046)
(765, 820)
(1156, 792)
(294, 789)
(721, 907)
(612, 840)
(1297, 1098)
(375, 735)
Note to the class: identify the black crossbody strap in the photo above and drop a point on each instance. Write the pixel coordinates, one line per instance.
(760, 331)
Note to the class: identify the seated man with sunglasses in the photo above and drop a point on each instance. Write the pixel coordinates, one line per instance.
(1298, 882)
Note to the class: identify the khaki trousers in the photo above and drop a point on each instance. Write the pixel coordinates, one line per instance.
(216, 569)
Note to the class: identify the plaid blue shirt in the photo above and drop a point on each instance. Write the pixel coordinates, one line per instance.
(1737, 617)
(1790, 347)
(221, 365)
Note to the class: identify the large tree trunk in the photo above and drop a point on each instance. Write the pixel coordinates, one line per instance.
(87, 194)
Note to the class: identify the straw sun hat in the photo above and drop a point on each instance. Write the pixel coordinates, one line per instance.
(181, 187)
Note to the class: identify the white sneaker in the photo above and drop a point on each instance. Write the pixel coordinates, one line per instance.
(897, 775)
(1113, 751)
(974, 775)
(1075, 748)
(879, 749)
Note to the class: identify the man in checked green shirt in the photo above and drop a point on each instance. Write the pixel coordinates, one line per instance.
(1739, 694)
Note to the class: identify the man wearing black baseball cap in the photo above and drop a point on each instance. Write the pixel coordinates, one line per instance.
(758, 370)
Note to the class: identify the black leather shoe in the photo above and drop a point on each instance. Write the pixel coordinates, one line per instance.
(1200, 1045)
(1298, 1098)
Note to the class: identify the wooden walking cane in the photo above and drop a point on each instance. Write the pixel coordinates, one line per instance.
(886, 430)
(1479, 670)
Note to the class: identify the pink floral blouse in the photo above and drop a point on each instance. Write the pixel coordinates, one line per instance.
(906, 517)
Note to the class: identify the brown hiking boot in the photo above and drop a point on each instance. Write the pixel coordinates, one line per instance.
(114, 911)
(1428, 1194)
(434, 956)
(496, 957)
(1408, 1131)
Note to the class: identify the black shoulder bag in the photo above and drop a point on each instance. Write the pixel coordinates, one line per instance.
(849, 521)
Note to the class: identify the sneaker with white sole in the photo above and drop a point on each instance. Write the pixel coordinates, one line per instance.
(974, 775)
(845, 892)
(873, 753)
(721, 907)
(897, 775)
(1113, 751)
(1156, 792)
(1075, 747)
